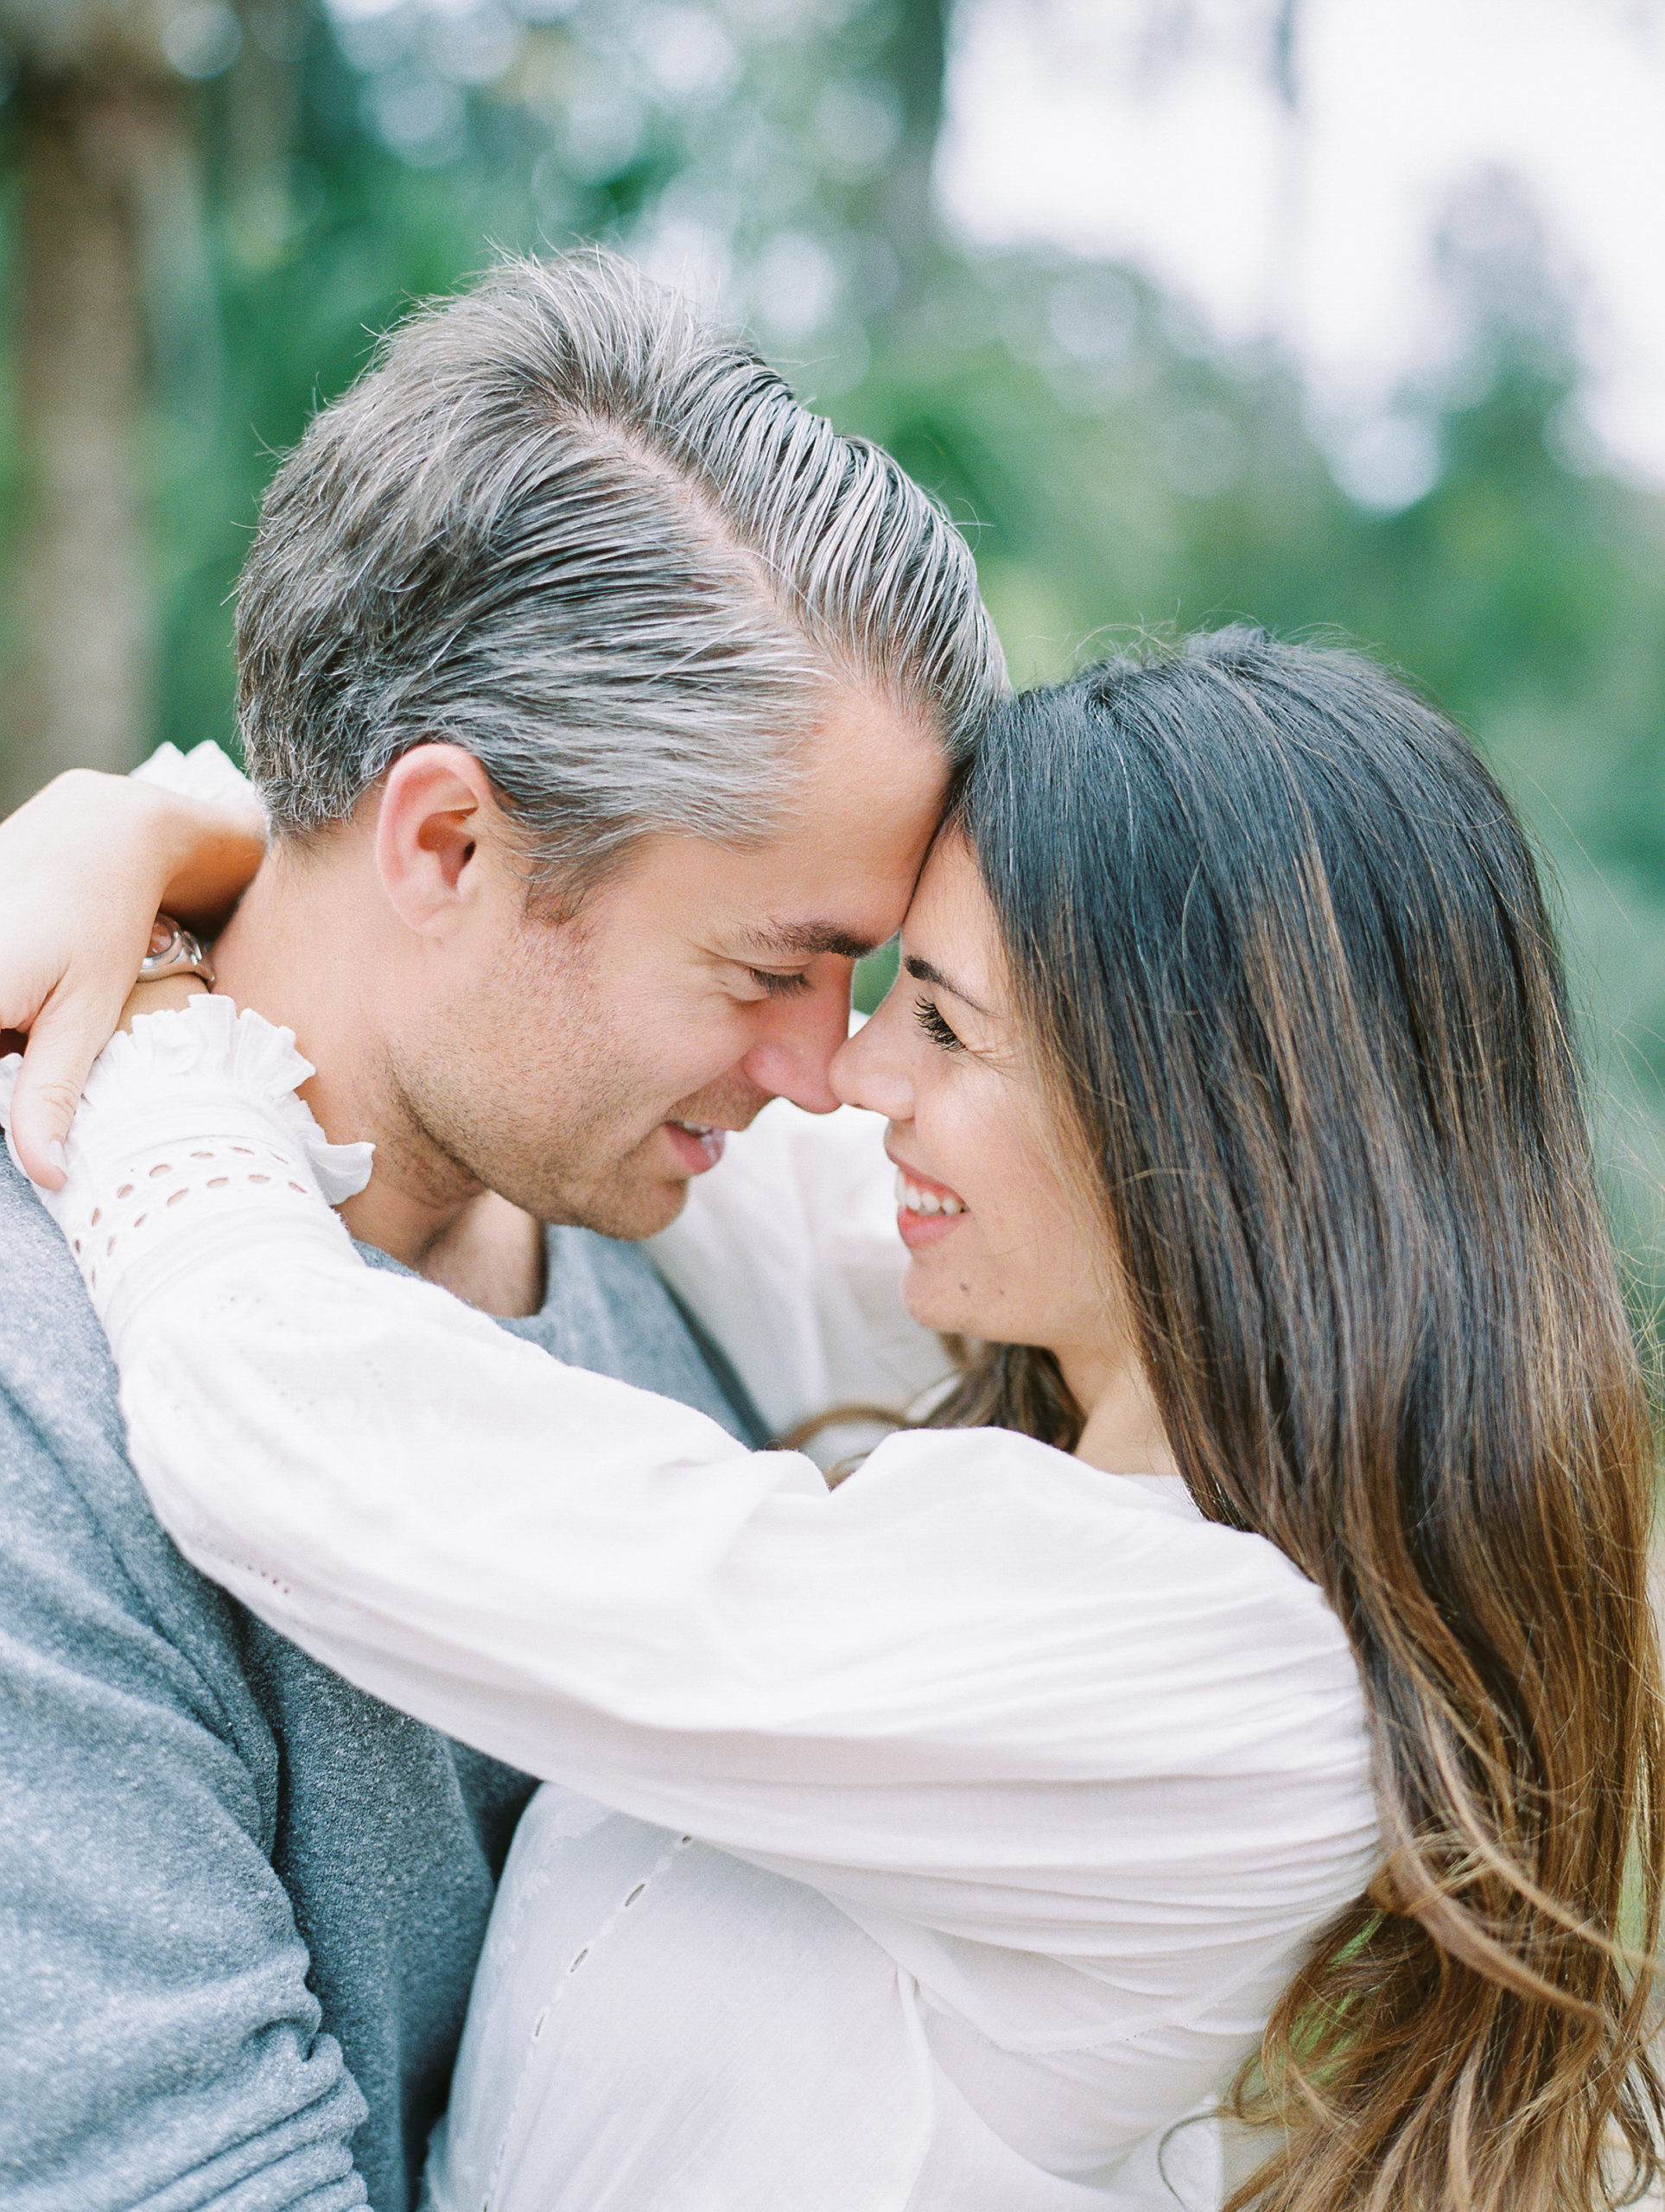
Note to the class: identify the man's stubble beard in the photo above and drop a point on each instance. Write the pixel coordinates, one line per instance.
(579, 1177)
(589, 1156)
(554, 1143)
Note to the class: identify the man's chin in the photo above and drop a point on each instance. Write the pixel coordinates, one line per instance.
(642, 1191)
(627, 1213)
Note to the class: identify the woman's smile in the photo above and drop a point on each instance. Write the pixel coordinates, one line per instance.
(926, 1211)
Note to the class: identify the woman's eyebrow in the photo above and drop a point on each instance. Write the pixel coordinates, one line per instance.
(922, 972)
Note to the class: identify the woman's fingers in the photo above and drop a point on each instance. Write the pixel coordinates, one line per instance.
(84, 866)
(65, 1037)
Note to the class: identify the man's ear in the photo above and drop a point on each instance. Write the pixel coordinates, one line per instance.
(438, 819)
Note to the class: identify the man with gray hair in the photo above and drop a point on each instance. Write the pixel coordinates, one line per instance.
(603, 702)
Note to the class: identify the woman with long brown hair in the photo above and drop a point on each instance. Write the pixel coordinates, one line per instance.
(1282, 944)
(1243, 1691)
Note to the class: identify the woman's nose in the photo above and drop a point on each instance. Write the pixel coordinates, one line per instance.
(869, 1069)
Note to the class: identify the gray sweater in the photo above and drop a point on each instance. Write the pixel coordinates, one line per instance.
(240, 1903)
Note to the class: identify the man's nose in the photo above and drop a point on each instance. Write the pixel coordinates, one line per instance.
(796, 1038)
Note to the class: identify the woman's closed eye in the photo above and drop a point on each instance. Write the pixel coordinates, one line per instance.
(928, 1016)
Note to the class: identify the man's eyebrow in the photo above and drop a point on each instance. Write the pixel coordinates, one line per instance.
(803, 940)
(922, 972)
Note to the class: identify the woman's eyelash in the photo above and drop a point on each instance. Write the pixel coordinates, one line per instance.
(929, 1017)
(777, 985)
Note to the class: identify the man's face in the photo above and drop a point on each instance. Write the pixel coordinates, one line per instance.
(587, 1069)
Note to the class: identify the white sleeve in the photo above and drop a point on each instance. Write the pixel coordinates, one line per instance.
(979, 1687)
(787, 1251)
(204, 772)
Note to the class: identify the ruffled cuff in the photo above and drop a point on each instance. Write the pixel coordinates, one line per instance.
(205, 773)
(190, 1139)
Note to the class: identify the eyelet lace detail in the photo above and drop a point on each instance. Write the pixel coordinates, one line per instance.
(187, 1123)
(216, 1175)
(666, 1859)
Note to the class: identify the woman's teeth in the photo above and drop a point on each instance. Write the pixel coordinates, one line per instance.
(918, 1201)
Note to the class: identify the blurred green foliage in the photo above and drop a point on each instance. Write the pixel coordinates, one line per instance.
(1116, 472)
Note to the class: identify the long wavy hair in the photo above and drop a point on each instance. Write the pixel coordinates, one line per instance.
(1283, 948)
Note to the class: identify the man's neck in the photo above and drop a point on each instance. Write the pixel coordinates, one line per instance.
(293, 952)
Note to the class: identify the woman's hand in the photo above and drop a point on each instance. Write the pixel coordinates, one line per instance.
(85, 866)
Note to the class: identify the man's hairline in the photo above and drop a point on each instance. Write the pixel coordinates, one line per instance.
(570, 885)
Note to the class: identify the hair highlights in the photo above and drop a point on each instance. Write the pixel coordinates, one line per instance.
(565, 524)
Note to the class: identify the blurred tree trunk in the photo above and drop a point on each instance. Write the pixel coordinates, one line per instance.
(89, 146)
(114, 310)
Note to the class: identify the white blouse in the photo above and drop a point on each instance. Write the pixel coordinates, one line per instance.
(962, 1824)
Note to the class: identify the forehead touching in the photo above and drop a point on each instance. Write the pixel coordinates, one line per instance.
(837, 874)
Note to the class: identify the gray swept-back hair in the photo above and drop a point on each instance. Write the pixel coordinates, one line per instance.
(565, 523)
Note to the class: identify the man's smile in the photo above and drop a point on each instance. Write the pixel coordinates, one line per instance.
(697, 1145)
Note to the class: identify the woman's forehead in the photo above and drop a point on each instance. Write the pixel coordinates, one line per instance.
(950, 924)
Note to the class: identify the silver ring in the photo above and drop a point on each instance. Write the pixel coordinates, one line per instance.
(174, 951)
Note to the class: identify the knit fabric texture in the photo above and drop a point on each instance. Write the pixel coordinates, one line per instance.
(240, 1902)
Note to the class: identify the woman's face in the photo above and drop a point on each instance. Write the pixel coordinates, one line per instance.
(1005, 1245)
